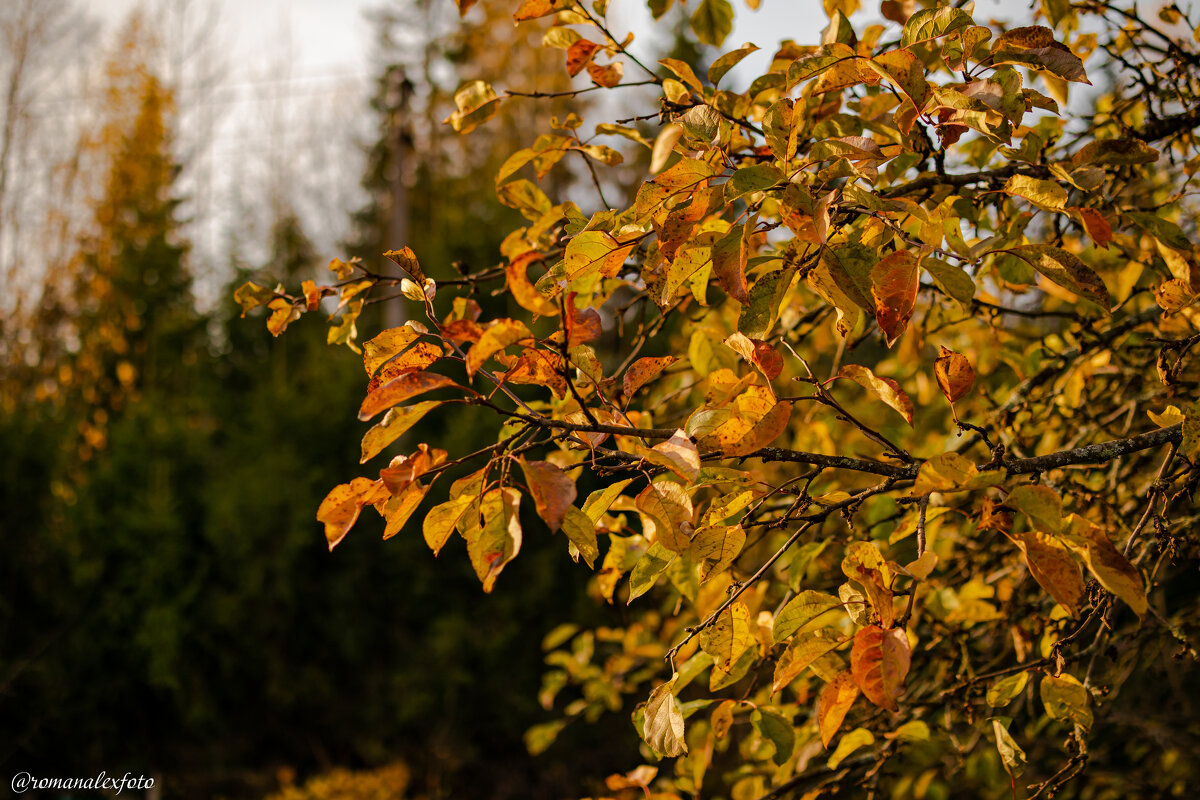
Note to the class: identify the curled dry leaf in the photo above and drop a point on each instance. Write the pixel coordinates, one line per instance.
(759, 353)
(340, 508)
(955, 375)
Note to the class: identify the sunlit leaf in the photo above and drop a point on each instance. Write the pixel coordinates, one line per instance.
(879, 661)
(1066, 700)
(663, 729)
(884, 389)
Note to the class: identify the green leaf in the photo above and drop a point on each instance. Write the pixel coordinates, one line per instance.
(539, 737)
(713, 21)
(952, 280)
(1164, 230)
(1010, 752)
(859, 737)
(1041, 504)
(649, 567)
(1003, 691)
(580, 529)
(930, 23)
(1066, 700)
(1066, 270)
(804, 608)
(774, 727)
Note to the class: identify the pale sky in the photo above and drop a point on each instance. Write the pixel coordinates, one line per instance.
(297, 75)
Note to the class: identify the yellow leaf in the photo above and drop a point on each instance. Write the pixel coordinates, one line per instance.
(393, 425)
(1066, 700)
(500, 335)
(859, 737)
(663, 728)
(678, 454)
(835, 700)
(884, 389)
(730, 636)
(803, 650)
(439, 523)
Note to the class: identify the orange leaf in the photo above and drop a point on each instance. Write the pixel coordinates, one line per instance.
(758, 353)
(1096, 226)
(340, 508)
(538, 367)
(397, 391)
(836, 699)
(414, 359)
(552, 491)
(729, 256)
(500, 335)
(522, 290)
(645, 370)
(607, 76)
(894, 283)
(404, 470)
(955, 376)
(532, 9)
(879, 661)
(461, 331)
(579, 55)
(1051, 565)
(583, 327)
(386, 345)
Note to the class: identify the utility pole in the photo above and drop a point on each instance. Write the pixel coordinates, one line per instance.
(399, 137)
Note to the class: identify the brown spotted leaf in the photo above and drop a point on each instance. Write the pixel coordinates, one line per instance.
(894, 283)
(643, 371)
(340, 508)
(579, 55)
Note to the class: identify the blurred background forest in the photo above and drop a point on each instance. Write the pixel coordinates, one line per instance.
(169, 606)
